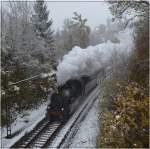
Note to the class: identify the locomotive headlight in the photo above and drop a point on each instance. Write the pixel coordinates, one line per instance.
(62, 109)
(48, 107)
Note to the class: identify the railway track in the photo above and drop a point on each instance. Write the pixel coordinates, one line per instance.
(45, 134)
(66, 134)
(74, 129)
(39, 136)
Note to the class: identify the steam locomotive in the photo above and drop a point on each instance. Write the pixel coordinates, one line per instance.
(64, 102)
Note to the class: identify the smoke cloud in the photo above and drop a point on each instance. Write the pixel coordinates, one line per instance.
(87, 61)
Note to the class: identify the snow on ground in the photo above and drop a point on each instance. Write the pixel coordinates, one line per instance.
(88, 130)
(87, 61)
(33, 117)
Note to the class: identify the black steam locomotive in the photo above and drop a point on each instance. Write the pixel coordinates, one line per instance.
(69, 96)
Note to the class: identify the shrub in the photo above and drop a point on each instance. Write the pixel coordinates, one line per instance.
(128, 124)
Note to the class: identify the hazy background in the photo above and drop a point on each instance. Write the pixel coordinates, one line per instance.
(96, 12)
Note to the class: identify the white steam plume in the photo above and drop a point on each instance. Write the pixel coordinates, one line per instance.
(87, 61)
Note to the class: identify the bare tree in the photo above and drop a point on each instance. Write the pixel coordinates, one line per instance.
(135, 9)
(82, 31)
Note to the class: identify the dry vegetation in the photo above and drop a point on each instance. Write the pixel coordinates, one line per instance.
(124, 118)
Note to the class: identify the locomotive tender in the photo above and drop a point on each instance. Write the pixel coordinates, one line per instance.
(69, 96)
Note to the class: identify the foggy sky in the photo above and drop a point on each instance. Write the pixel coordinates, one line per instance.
(96, 12)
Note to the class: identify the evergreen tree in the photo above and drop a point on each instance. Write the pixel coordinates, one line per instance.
(41, 22)
(42, 28)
